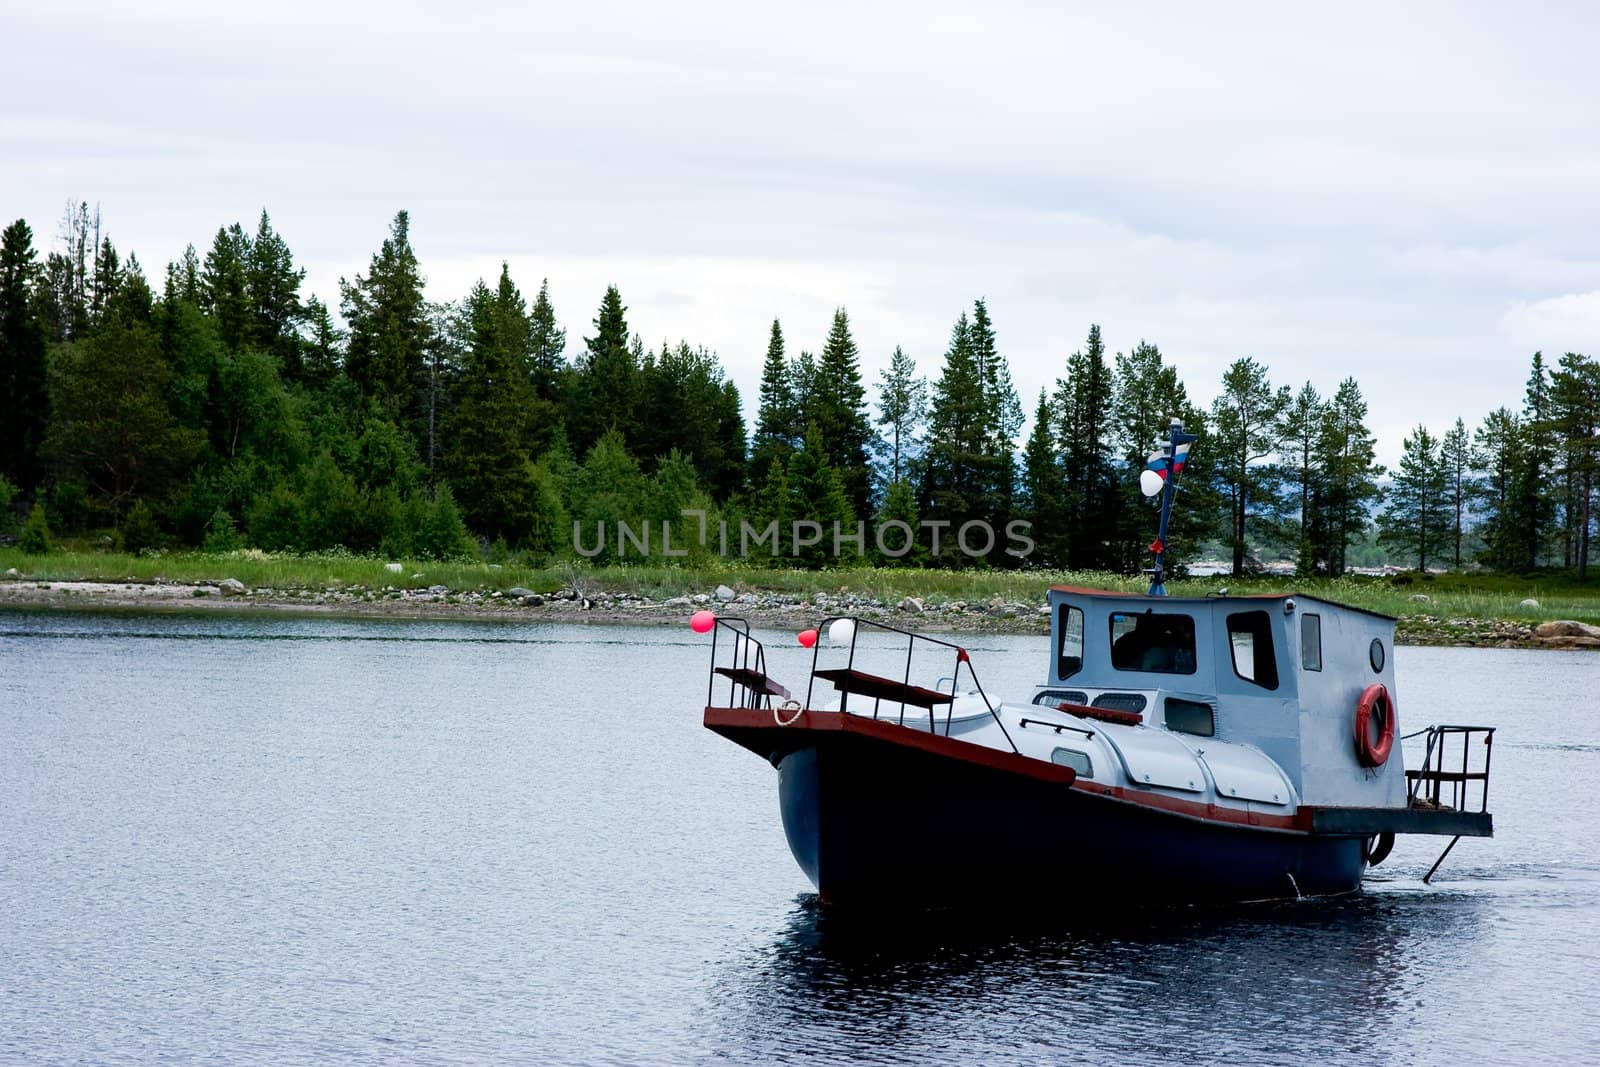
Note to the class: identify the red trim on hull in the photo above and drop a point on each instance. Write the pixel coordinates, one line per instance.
(811, 721)
(722, 720)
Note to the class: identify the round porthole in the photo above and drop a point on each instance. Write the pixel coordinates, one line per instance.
(1375, 654)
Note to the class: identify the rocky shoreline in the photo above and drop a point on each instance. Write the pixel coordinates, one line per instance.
(579, 605)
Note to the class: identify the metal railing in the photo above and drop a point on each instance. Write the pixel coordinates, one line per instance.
(883, 690)
(746, 671)
(1438, 779)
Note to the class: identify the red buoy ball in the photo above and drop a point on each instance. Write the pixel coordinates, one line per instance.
(808, 638)
(702, 621)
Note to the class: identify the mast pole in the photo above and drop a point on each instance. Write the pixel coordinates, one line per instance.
(1170, 467)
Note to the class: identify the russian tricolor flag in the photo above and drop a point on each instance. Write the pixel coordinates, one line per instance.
(1158, 460)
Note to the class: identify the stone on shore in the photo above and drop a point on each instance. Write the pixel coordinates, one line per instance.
(724, 594)
(914, 604)
(1528, 603)
(231, 587)
(1565, 628)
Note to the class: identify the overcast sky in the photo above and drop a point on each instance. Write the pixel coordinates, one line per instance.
(1408, 196)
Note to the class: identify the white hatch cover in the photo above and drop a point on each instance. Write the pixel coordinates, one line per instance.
(1155, 757)
(1246, 773)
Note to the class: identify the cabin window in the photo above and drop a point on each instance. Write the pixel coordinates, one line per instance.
(1311, 642)
(1052, 697)
(1250, 635)
(1078, 761)
(1162, 644)
(1069, 655)
(1375, 656)
(1133, 702)
(1190, 717)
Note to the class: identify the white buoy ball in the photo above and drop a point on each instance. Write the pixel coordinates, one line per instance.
(841, 631)
(1150, 483)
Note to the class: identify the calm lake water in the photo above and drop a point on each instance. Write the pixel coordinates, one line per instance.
(292, 840)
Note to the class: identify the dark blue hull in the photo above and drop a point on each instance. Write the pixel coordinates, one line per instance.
(873, 823)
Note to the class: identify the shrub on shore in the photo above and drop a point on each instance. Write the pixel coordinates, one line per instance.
(35, 539)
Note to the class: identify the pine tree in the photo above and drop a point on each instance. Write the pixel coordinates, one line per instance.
(839, 411)
(777, 414)
(1348, 459)
(390, 332)
(65, 303)
(1245, 420)
(1501, 456)
(1147, 396)
(1416, 512)
(1299, 431)
(24, 403)
(1455, 457)
(1536, 507)
(902, 406)
(1575, 404)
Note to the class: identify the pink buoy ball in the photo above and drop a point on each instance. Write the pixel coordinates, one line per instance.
(808, 638)
(702, 621)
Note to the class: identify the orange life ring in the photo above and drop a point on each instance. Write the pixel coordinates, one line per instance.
(1375, 702)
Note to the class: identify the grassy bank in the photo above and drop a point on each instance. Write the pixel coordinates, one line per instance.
(1443, 597)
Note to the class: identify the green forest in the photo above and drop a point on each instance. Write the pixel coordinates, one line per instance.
(221, 407)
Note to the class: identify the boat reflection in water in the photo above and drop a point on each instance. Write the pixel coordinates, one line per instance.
(1288, 982)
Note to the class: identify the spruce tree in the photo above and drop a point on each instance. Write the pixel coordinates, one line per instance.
(320, 346)
(224, 285)
(803, 384)
(776, 414)
(839, 412)
(1042, 487)
(24, 402)
(390, 332)
(953, 457)
(1002, 412)
(606, 385)
(897, 549)
(272, 287)
(817, 494)
(489, 460)
(1085, 406)
(547, 356)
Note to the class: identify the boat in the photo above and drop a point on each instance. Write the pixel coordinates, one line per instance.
(1177, 751)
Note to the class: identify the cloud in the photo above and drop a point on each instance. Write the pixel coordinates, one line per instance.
(1556, 325)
